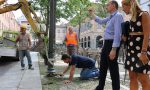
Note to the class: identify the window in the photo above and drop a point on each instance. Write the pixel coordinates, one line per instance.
(85, 42)
(89, 42)
(99, 42)
(89, 25)
(82, 43)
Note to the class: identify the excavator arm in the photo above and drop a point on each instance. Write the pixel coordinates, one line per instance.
(9, 8)
(25, 8)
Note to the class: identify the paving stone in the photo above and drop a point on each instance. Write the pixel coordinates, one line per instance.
(13, 78)
(8, 88)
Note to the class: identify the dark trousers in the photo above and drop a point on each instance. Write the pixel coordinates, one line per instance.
(71, 50)
(112, 65)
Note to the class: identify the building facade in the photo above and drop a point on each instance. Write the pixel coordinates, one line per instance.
(91, 34)
(60, 33)
(8, 22)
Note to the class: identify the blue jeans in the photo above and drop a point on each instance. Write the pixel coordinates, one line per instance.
(87, 73)
(22, 54)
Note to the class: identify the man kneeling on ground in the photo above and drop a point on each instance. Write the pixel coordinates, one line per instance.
(76, 61)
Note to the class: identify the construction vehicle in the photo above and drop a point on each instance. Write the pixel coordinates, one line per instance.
(27, 10)
(7, 45)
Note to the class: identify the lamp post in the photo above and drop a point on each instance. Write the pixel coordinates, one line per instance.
(52, 28)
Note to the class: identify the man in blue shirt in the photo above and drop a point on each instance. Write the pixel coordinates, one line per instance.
(77, 61)
(112, 38)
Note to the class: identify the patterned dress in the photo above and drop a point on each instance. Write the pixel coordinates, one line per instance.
(134, 46)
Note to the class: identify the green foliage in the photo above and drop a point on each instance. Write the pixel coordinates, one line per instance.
(73, 10)
(1, 38)
(100, 8)
(82, 13)
(42, 5)
(64, 9)
(77, 9)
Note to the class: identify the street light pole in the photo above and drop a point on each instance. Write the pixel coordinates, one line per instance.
(52, 28)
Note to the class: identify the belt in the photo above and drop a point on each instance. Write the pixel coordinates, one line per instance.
(70, 45)
(108, 40)
(136, 33)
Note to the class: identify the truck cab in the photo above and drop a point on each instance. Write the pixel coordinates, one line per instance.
(8, 47)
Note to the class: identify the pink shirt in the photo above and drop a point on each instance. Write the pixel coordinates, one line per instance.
(24, 41)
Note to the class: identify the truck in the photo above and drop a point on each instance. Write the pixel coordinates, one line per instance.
(8, 47)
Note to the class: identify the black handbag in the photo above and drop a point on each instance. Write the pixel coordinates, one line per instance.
(125, 28)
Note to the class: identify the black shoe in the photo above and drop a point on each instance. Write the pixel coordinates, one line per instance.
(97, 88)
(30, 67)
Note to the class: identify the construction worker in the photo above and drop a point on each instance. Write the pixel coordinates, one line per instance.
(77, 61)
(24, 42)
(71, 40)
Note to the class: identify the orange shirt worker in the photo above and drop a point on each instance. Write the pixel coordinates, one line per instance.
(71, 40)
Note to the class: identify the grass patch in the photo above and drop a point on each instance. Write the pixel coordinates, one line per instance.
(56, 83)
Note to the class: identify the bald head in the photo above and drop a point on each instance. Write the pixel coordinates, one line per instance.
(70, 29)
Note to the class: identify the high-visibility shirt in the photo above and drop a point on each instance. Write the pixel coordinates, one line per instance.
(71, 39)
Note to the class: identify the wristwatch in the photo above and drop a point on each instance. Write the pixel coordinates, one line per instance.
(114, 48)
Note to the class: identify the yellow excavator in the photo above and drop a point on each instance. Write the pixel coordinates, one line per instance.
(27, 11)
(25, 8)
